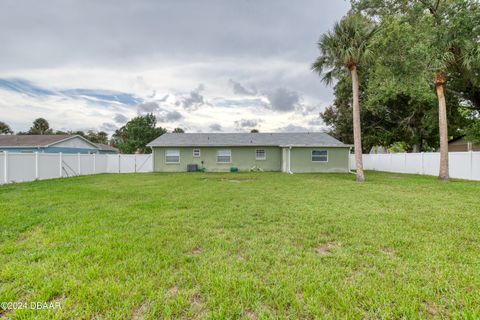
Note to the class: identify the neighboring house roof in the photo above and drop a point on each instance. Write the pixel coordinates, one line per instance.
(105, 147)
(299, 139)
(458, 139)
(36, 141)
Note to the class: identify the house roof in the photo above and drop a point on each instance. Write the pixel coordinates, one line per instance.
(36, 140)
(102, 146)
(299, 139)
(457, 139)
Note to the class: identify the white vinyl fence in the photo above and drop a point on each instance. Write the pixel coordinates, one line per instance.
(462, 165)
(21, 167)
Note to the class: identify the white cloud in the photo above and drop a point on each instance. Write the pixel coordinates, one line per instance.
(252, 57)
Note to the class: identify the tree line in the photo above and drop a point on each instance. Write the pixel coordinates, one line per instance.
(130, 138)
(413, 66)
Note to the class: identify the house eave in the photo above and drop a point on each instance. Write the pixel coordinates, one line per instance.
(249, 145)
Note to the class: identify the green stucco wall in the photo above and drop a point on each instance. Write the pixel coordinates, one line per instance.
(301, 160)
(242, 157)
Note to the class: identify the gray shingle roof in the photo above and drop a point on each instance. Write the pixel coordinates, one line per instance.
(306, 139)
(31, 140)
(37, 140)
(105, 147)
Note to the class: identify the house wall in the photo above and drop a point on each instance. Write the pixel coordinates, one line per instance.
(301, 160)
(242, 157)
(107, 152)
(75, 142)
(461, 145)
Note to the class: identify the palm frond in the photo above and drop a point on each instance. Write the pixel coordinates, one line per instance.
(346, 45)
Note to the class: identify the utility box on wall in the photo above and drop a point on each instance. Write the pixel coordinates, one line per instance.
(192, 167)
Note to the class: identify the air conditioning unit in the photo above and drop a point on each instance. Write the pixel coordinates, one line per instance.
(192, 167)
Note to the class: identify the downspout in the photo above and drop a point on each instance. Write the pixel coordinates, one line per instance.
(350, 169)
(153, 159)
(289, 159)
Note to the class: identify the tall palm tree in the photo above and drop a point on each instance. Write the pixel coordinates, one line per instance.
(342, 49)
(440, 80)
(454, 46)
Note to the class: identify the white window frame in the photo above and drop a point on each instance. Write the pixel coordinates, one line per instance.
(229, 151)
(172, 150)
(196, 155)
(321, 161)
(264, 154)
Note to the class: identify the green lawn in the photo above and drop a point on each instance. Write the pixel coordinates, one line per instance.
(260, 245)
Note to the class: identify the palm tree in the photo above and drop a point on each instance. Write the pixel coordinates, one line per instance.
(178, 130)
(440, 80)
(5, 128)
(343, 49)
(451, 50)
(40, 126)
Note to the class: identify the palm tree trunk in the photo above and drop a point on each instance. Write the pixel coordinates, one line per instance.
(357, 130)
(442, 124)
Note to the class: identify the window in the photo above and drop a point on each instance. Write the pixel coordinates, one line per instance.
(319, 155)
(224, 156)
(172, 156)
(260, 154)
(196, 153)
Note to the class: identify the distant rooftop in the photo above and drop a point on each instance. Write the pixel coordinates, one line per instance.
(314, 139)
(44, 140)
(105, 147)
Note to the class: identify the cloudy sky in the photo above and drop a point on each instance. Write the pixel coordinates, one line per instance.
(206, 66)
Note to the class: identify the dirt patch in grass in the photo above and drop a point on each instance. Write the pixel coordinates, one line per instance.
(173, 291)
(325, 249)
(251, 315)
(389, 251)
(229, 178)
(197, 305)
(5, 314)
(430, 308)
(141, 311)
(196, 251)
(236, 180)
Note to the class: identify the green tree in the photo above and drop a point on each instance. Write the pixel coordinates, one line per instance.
(178, 130)
(97, 137)
(137, 133)
(453, 48)
(447, 51)
(40, 126)
(5, 128)
(254, 131)
(345, 48)
(473, 132)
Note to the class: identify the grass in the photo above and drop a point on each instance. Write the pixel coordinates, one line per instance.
(263, 245)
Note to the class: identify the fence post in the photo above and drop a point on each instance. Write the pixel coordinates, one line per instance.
(36, 166)
(423, 163)
(119, 163)
(5, 166)
(471, 164)
(405, 162)
(135, 161)
(94, 164)
(60, 164)
(79, 164)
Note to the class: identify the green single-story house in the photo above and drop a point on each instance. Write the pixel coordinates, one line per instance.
(223, 152)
